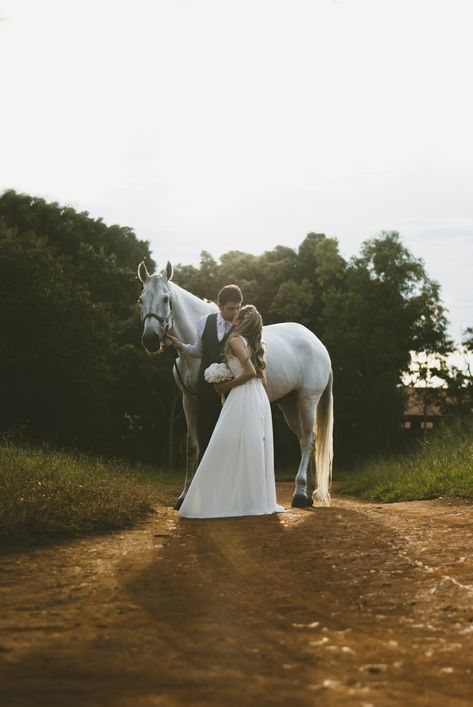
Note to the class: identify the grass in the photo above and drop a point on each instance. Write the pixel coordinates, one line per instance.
(47, 496)
(440, 466)
(286, 474)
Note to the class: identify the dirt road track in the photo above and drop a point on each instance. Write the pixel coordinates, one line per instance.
(359, 604)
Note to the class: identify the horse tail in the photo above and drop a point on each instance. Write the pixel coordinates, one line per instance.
(323, 429)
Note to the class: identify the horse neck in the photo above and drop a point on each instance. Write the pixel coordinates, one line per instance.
(187, 310)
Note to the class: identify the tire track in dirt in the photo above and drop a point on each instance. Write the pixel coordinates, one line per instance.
(359, 604)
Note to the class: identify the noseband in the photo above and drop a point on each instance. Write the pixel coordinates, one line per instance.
(166, 322)
(161, 320)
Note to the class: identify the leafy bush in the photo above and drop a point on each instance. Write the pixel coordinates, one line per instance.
(441, 466)
(48, 495)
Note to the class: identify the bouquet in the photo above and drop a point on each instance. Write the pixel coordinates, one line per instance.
(218, 373)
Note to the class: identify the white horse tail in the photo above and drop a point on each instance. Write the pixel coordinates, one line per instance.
(323, 429)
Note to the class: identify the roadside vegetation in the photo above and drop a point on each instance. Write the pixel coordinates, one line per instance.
(442, 465)
(47, 496)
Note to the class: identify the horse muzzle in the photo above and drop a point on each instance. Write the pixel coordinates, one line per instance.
(152, 342)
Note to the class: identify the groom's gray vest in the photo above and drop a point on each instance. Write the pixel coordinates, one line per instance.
(212, 348)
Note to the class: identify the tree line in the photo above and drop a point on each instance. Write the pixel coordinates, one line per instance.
(73, 371)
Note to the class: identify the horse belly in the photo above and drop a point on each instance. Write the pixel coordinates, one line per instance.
(296, 360)
(278, 384)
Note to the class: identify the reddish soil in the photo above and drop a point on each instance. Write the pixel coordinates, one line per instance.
(358, 604)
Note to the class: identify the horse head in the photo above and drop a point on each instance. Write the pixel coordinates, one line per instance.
(156, 307)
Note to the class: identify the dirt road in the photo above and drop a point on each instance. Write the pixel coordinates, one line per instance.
(359, 604)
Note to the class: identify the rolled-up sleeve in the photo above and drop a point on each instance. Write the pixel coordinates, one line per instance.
(195, 350)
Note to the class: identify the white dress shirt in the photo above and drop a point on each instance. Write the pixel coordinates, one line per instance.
(195, 350)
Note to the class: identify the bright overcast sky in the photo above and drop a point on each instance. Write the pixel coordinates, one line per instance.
(243, 124)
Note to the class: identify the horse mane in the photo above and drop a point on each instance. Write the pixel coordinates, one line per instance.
(191, 296)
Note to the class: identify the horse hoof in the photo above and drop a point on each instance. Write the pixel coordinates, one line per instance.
(299, 500)
(178, 503)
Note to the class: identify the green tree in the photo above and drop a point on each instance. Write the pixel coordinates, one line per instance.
(72, 368)
(54, 375)
(387, 309)
(202, 281)
(457, 375)
(293, 302)
(73, 371)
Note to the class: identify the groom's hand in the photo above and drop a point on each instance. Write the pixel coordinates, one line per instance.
(172, 341)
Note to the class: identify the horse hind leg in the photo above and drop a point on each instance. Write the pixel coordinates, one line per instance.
(290, 408)
(304, 482)
(311, 480)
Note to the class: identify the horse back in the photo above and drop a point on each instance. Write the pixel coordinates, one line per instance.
(296, 360)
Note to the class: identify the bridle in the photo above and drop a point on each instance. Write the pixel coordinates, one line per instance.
(167, 322)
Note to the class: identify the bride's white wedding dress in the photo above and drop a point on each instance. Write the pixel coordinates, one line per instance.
(236, 474)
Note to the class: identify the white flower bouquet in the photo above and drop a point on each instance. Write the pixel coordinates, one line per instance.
(218, 373)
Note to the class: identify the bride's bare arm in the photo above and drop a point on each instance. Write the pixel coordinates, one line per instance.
(249, 371)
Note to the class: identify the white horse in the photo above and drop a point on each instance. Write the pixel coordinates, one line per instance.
(299, 378)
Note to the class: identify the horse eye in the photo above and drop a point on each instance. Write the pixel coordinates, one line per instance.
(166, 298)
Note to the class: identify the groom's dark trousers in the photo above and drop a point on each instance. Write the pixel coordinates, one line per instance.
(209, 403)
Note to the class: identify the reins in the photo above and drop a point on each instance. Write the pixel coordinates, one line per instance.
(175, 354)
(167, 323)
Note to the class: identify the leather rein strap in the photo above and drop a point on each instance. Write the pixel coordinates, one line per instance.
(191, 392)
(167, 325)
(161, 320)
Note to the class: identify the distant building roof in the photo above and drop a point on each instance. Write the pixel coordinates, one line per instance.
(418, 397)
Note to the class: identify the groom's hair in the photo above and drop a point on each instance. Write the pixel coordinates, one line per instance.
(229, 293)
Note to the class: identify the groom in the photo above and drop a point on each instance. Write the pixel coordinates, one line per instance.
(212, 333)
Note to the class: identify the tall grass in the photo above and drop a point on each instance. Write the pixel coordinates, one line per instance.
(440, 466)
(48, 495)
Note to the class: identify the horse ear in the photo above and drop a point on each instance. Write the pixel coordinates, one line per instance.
(143, 273)
(169, 271)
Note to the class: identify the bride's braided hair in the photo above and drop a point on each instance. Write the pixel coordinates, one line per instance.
(250, 325)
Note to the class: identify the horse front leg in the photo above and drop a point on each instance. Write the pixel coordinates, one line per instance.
(307, 406)
(192, 445)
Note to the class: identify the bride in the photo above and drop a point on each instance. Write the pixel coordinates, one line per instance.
(236, 474)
